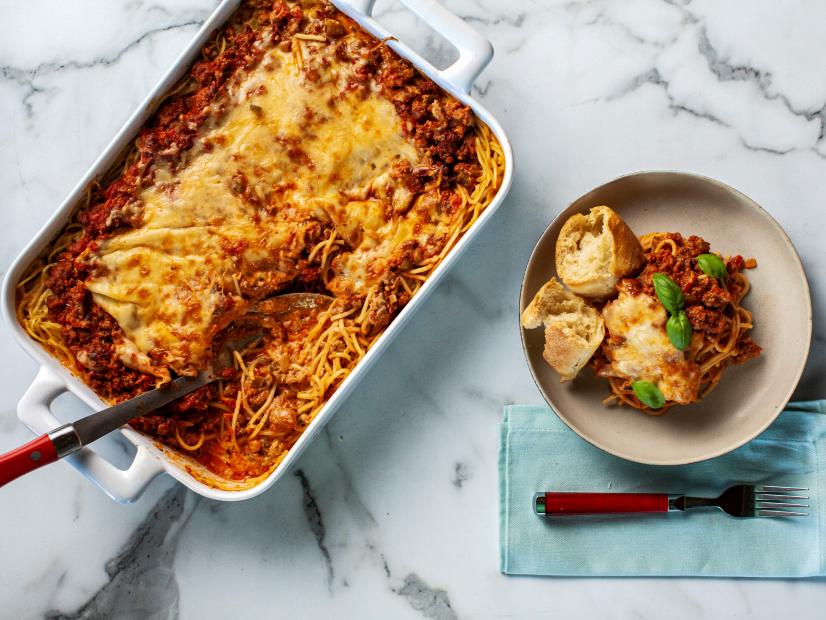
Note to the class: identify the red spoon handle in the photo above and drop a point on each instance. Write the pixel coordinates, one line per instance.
(560, 504)
(28, 457)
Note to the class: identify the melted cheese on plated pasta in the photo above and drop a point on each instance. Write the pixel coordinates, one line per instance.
(231, 215)
(639, 348)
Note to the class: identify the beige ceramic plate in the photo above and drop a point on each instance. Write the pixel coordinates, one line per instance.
(749, 397)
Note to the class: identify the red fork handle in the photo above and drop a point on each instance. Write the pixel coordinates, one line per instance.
(26, 458)
(561, 504)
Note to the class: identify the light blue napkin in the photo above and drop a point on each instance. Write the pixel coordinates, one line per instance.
(537, 452)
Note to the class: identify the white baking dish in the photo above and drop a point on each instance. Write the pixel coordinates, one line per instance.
(126, 485)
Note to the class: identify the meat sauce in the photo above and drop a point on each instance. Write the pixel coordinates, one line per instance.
(705, 297)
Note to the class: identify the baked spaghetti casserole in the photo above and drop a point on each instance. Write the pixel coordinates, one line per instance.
(299, 154)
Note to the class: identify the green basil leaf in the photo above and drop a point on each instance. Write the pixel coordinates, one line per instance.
(679, 330)
(648, 394)
(669, 292)
(712, 265)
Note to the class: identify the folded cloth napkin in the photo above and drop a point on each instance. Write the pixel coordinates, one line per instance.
(539, 453)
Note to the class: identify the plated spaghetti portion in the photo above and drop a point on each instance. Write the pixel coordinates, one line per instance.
(299, 155)
(684, 362)
(660, 317)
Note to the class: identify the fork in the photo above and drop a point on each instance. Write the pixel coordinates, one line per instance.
(742, 500)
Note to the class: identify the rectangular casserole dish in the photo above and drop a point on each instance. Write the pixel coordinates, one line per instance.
(151, 459)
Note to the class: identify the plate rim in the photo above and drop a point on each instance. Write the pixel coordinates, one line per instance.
(798, 373)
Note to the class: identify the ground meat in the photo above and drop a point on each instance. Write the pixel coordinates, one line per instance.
(683, 269)
(388, 298)
(466, 174)
(157, 424)
(705, 297)
(438, 124)
(704, 320)
(748, 350)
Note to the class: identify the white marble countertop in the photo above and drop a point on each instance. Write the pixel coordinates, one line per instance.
(393, 511)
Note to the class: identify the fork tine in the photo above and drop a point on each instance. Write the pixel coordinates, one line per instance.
(780, 513)
(765, 487)
(769, 497)
(773, 505)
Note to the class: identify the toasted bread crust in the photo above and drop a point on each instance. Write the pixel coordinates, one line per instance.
(573, 328)
(613, 252)
(568, 355)
(628, 255)
(543, 304)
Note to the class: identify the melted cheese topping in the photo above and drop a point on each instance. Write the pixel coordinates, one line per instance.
(289, 153)
(645, 352)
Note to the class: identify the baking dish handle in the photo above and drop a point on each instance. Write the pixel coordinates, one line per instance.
(122, 485)
(475, 51)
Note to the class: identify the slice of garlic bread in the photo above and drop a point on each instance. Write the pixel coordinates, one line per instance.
(573, 328)
(594, 251)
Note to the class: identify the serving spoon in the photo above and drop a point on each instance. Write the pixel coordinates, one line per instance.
(71, 437)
